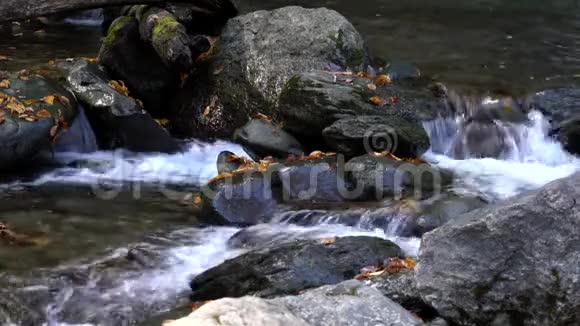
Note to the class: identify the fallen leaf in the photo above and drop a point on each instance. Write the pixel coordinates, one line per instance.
(183, 77)
(327, 241)
(120, 87)
(372, 87)
(5, 83)
(91, 60)
(24, 74)
(363, 74)
(197, 200)
(15, 106)
(44, 113)
(394, 99)
(206, 55)
(49, 99)
(382, 80)
(377, 100)
(397, 265)
(30, 102)
(162, 122)
(263, 117)
(51, 63)
(4, 58)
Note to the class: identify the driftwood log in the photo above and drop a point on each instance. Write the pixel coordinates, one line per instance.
(21, 9)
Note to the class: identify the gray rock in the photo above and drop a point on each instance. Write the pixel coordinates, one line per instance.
(255, 56)
(118, 121)
(378, 177)
(402, 288)
(311, 102)
(262, 138)
(346, 304)
(483, 139)
(367, 134)
(291, 268)
(350, 303)
(518, 258)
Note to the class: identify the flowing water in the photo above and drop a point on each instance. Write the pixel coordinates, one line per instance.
(111, 238)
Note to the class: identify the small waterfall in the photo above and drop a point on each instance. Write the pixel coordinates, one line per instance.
(79, 138)
(526, 156)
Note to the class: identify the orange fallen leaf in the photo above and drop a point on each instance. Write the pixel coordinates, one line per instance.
(24, 74)
(382, 80)
(5, 83)
(4, 58)
(15, 106)
(363, 74)
(263, 117)
(120, 87)
(49, 99)
(377, 100)
(44, 113)
(327, 241)
(51, 63)
(197, 200)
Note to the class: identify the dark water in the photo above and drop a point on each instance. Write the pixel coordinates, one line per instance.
(494, 45)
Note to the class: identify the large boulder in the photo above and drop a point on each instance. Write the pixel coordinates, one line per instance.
(292, 267)
(127, 57)
(312, 102)
(516, 260)
(118, 121)
(346, 304)
(254, 57)
(483, 139)
(33, 112)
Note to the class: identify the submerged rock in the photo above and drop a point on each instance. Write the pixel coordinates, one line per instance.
(346, 304)
(483, 139)
(27, 120)
(117, 120)
(515, 260)
(262, 138)
(255, 56)
(290, 268)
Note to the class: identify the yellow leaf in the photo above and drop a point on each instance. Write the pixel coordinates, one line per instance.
(197, 200)
(49, 99)
(5, 83)
(327, 241)
(162, 122)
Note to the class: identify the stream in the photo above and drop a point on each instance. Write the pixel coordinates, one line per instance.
(115, 238)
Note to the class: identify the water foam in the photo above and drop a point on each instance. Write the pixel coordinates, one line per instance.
(535, 159)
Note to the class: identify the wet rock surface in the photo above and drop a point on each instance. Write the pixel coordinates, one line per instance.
(27, 126)
(514, 259)
(290, 268)
(118, 121)
(255, 55)
(262, 138)
(346, 304)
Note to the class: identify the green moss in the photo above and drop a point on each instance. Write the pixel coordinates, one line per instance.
(355, 58)
(115, 28)
(165, 28)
